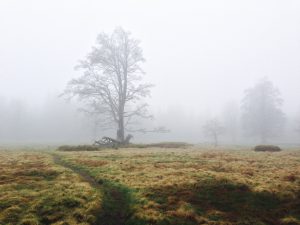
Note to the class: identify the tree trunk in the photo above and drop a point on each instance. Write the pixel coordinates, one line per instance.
(121, 132)
(121, 128)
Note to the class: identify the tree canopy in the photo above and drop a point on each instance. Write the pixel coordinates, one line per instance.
(112, 82)
(262, 114)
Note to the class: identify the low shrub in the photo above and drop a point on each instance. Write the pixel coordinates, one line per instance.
(70, 148)
(161, 145)
(267, 148)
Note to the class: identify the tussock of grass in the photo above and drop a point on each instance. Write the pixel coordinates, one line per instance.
(267, 148)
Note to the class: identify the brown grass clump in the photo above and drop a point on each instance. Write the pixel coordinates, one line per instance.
(184, 210)
(290, 221)
(290, 178)
(267, 148)
(91, 163)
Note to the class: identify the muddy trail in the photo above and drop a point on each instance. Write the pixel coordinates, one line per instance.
(116, 199)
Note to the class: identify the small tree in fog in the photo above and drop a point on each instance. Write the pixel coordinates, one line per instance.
(213, 129)
(230, 120)
(112, 84)
(262, 114)
(298, 127)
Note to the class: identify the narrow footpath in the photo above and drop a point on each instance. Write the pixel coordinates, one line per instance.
(115, 208)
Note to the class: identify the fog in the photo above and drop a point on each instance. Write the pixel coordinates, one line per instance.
(200, 55)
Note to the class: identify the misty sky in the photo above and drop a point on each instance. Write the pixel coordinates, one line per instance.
(200, 54)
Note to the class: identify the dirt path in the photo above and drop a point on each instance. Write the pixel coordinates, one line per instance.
(115, 203)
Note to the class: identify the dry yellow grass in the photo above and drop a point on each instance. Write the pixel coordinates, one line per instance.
(201, 186)
(150, 186)
(33, 190)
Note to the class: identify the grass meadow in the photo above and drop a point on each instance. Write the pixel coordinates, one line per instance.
(34, 190)
(134, 186)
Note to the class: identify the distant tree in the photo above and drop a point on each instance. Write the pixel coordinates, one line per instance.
(298, 126)
(2, 118)
(262, 114)
(112, 84)
(298, 129)
(213, 129)
(231, 120)
(297, 122)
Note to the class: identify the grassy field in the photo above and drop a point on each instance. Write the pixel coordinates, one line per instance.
(150, 186)
(34, 190)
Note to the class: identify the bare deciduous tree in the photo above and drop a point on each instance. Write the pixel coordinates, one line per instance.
(213, 129)
(262, 114)
(112, 84)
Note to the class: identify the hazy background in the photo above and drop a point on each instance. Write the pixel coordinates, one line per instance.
(201, 55)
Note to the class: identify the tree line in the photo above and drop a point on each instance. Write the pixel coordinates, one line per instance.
(113, 90)
(261, 114)
(113, 93)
